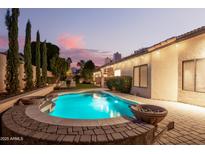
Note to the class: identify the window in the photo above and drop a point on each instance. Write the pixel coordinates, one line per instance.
(188, 75)
(136, 77)
(143, 76)
(140, 76)
(200, 75)
(117, 73)
(194, 75)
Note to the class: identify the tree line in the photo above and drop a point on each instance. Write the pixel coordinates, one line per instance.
(40, 54)
(44, 55)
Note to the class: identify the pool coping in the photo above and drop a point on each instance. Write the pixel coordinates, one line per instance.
(33, 111)
(17, 123)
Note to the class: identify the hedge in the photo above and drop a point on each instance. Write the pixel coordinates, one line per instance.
(122, 84)
(51, 80)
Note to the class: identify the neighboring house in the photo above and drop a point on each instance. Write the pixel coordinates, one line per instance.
(173, 69)
(3, 61)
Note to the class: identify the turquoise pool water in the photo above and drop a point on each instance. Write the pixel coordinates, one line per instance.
(91, 105)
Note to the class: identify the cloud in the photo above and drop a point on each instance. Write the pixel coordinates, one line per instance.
(69, 41)
(86, 54)
(74, 46)
(4, 42)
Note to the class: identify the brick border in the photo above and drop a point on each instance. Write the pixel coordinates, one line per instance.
(34, 112)
(15, 123)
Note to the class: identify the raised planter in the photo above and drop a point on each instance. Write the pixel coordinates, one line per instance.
(30, 100)
(9, 102)
(151, 114)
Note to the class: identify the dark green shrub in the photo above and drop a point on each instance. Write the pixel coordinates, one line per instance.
(110, 83)
(51, 80)
(122, 84)
(76, 79)
(125, 84)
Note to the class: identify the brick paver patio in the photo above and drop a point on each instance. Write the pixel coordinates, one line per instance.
(189, 121)
(17, 124)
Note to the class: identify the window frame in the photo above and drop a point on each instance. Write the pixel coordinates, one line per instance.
(134, 76)
(195, 74)
(183, 62)
(139, 66)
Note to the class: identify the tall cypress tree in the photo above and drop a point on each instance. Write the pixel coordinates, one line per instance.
(27, 58)
(38, 60)
(44, 64)
(12, 68)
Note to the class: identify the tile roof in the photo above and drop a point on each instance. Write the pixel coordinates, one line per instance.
(162, 44)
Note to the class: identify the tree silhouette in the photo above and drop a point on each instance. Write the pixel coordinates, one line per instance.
(12, 68)
(27, 58)
(38, 59)
(44, 64)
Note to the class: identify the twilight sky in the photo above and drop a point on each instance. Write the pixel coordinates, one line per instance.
(97, 33)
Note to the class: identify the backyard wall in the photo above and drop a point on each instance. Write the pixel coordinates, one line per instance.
(164, 70)
(21, 76)
(21, 73)
(2, 72)
(190, 49)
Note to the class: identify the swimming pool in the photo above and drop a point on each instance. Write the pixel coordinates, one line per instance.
(91, 105)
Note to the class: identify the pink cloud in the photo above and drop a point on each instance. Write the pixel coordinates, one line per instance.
(85, 54)
(74, 46)
(69, 41)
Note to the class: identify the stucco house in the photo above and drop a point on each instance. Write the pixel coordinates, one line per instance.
(173, 69)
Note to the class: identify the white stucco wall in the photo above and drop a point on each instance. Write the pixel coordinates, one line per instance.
(164, 73)
(126, 67)
(166, 70)
(193, 48)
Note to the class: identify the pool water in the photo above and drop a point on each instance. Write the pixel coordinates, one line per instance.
(91, 105)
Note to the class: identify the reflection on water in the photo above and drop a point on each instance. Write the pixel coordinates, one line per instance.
(102, 104)
(90, 105)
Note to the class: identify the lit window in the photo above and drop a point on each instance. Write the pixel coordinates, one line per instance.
(188, 75)
(143, 76)
(200, 75)
(117, 73)
(136, 77)
(140, 76)
(194, 75)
